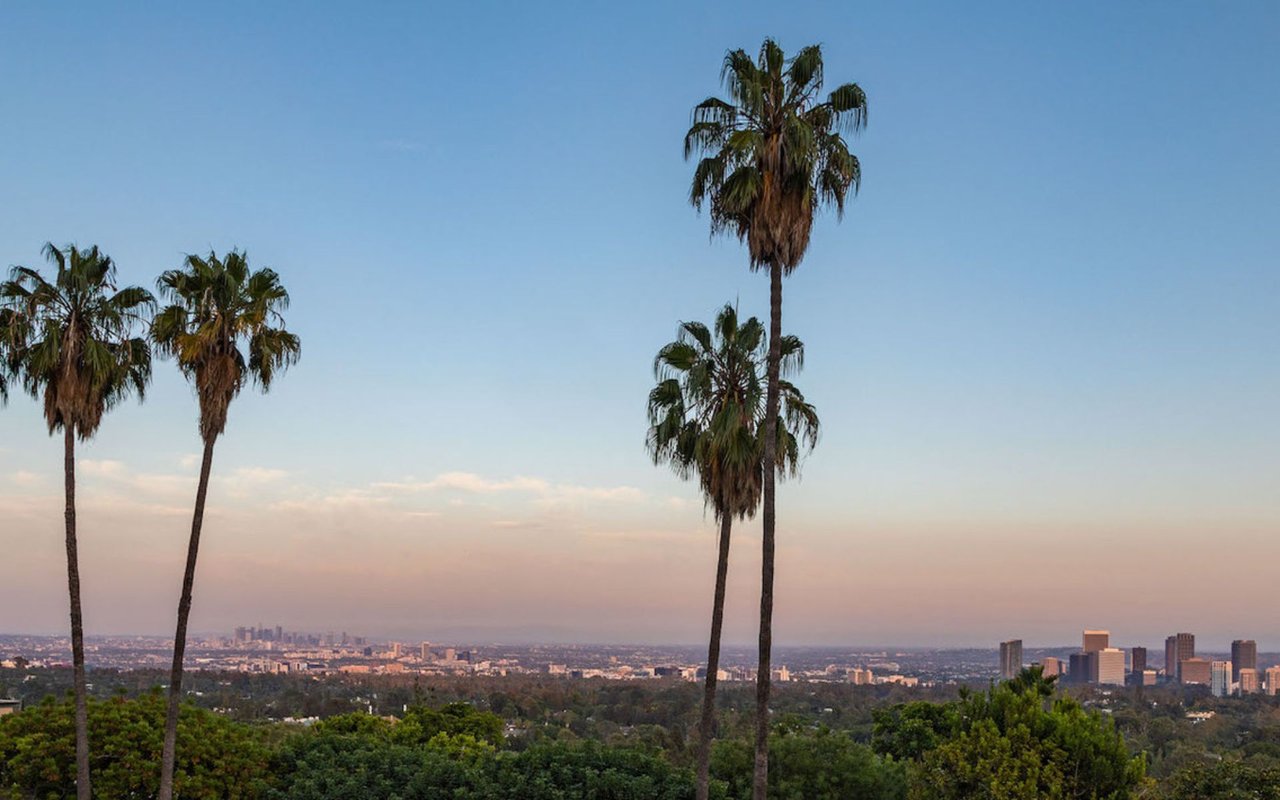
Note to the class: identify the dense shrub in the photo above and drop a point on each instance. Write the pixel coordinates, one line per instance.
(217, 758)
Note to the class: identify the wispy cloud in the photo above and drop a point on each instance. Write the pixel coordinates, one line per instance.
(26, 480)
(105, 468)
(471, 483)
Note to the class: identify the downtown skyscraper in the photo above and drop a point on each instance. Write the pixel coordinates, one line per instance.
(1178, 648)
(1244, 655)
(1010, 658)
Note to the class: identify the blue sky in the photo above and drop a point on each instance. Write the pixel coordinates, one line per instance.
(1043, 340)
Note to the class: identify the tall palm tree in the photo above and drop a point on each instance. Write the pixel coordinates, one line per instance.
(71, 341)
(216, 307)
(705, 419)
(771, 156)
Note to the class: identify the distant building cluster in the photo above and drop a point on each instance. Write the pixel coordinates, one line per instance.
(278, 635)
(1097, 662)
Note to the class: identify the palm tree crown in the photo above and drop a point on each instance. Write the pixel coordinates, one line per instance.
(216, 306)
(773, 153)
(72, 339)
(707, 409)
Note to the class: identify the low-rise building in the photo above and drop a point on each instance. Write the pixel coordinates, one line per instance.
(1198, 671)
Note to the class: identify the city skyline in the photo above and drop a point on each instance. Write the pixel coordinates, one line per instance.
(1038, 349)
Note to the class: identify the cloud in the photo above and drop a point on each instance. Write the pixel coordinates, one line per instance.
(101, 468)
(471, 483)
(465, 482)
(26, 480)
(263, 474)
(517, 524)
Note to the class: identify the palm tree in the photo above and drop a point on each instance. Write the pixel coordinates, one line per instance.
(9, 328)
(1033, 680)
(771, 155)
(71, 341)
(704, 418)
(216, 307)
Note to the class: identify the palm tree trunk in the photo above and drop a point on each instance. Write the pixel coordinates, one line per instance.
(760, 783)
(168, 754)
(83, 786)
(713, 661)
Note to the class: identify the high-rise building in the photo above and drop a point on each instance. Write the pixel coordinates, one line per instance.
(1138, 662)
(1078, 672)
(1096, 640)
(1249, 683)
(1273, 680)
(1219, 678)
(1052, 667)
(1110, 666)
(425, 653)
(1178, 648)
(1244, 655)
(1010, 658)
(1195, 671)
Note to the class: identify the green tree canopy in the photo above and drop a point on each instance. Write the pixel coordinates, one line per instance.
(219, 758)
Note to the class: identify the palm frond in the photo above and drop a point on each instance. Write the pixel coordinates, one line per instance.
(772, 153)
(72, 341)
(224, 326)
(706, 412)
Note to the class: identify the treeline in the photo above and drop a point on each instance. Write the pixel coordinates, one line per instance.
(1022, 739)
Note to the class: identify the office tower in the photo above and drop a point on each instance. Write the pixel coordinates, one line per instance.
(1096, 640)
(1052, 667)
(1219, 678)
(1273, 680)
(1110, 666)
(425, 655)
(396, 649)
(1194, 671)
(1138, 662)
(1244, 655)
(1248, 681)
(1078, 671)
(1178, 648)
(1010, 658)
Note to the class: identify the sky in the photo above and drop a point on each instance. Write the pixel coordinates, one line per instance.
(1043, 339)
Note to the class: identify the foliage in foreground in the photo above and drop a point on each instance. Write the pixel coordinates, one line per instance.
(217, 758)
(1017, 740)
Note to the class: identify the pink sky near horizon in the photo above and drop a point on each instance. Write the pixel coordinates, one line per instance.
(521, 558)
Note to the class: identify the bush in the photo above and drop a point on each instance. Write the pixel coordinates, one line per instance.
(216, 758)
